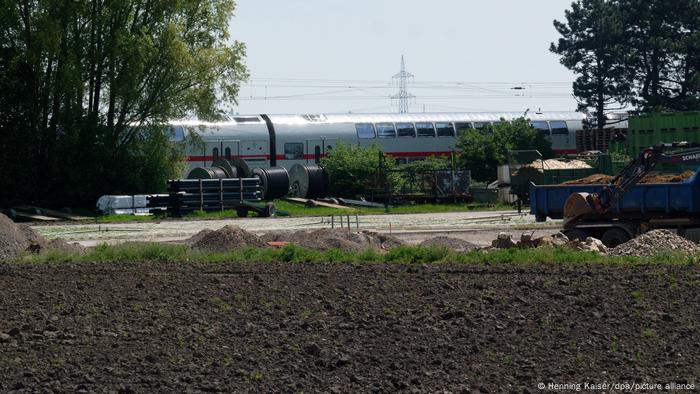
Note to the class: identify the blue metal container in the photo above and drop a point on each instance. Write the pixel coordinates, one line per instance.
(644, 200)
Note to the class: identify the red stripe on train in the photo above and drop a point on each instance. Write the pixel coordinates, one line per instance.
(392, 154)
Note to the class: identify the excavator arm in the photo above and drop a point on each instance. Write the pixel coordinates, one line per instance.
(581, 204)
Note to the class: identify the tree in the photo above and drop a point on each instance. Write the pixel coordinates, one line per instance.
(663, 39)
(639, 52)
(352, 167)
(593, 47)
(87, 85)
(483, 150)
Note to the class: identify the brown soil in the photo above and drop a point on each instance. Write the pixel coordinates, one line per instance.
(15, 239)
(325, 239)
(224, 239)
(456, 244)
(602, 179)
(157, 327)
(62, 244)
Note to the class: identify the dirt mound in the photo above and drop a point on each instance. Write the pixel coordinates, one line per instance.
(456, 244)
(224, 239)
(14, 239)
(61, 244)
(602, 179)
(595, 179)
(651, 243)
(326, 239)
(667, 178)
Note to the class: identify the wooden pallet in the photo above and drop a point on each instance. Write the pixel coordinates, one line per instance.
(591, 140)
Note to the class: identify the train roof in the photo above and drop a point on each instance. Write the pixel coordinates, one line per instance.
(424, 117)
(300, 119)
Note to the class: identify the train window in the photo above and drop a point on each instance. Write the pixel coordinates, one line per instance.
(215, 153)
(175, 133)
(463, 127)
(365, 130)
(293, 151)
(246, 119)
(445, 129)
(401, 160)
(425, 130)
(541, 126)
(405, 130)
(480, 125)
(227, 153)
(559, 127)
(385, 130)
(495, 123)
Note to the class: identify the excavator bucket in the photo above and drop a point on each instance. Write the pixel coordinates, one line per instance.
(576, 206)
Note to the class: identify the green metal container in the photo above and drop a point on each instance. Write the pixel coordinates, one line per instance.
(650, 129)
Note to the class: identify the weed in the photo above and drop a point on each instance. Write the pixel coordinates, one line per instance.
(613, 347)
(637, 295)
(219, 303)
(256, 376)
(648, 333)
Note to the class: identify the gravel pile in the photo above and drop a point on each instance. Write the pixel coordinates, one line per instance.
(15, 239)
(326, 239)
(651, 243)
(224, 239)
(456, 244)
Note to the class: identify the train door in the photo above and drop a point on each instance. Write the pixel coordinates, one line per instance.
(316, 149)
(222, 148)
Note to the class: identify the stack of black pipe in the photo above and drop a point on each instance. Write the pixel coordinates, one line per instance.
(187, 195)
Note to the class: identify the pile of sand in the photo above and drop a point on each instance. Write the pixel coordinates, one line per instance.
(15, 239)
(326, 239)
(554, 164)
(224, 239)
(602, 179)
(456, 244)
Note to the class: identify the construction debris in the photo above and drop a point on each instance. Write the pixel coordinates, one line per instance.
(590, 244)
(503, 241)
(651, 243)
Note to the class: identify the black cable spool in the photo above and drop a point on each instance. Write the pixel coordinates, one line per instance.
(308, 181)
(207, 173)
(274, 181)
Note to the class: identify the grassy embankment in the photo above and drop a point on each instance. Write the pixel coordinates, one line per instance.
(298, 210)
(144, 252)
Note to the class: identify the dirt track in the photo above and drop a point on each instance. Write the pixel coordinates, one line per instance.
(344, 328)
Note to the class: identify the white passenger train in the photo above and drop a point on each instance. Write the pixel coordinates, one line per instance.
(284, 140)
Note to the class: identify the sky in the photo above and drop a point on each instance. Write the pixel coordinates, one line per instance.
(339, 56)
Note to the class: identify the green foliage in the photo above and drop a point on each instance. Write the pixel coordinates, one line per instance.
(352, 168)
(593, 47)
(482, 151)
(632, 51)
(85, 87)
(139, 252)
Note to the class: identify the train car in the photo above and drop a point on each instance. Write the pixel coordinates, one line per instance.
(284, 140)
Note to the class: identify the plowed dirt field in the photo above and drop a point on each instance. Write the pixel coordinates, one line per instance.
(343, 328)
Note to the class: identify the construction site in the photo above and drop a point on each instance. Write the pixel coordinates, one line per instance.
(221, 196)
